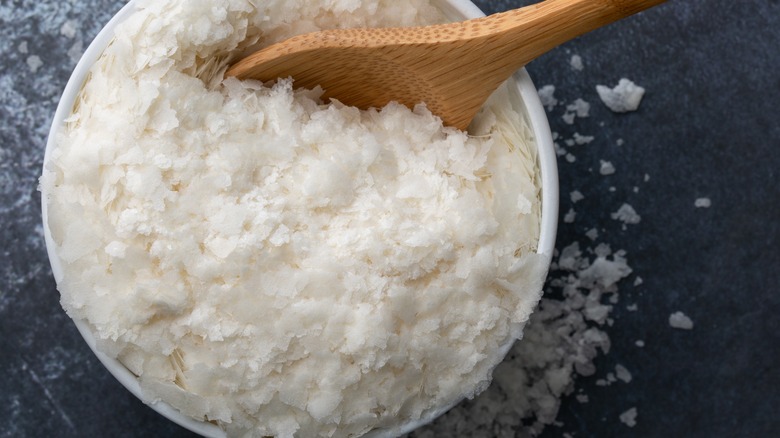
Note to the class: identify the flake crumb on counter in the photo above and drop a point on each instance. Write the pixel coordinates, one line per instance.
(629, 417)
(703, 203)
(579, 107)
(576, 62)
(606, 168)
(622, 373)
(627, 215)
(580, 139)
(34, 62)
(547, 96)
(570, 216)
(681, 321)
(623, 98)
(69, 28)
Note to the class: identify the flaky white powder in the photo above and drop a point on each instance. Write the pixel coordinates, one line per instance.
(547, 96)
(606, 168)
(34, 62)
(622, 373)
(629, 417)
(278, 265)
(624, 97)
(559, 343)
(570, 216)
(579, 107)
(680, 320)
(627, 215)
(580, 139)
(576, 62)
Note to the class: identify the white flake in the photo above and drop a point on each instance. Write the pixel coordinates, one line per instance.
(624, 97)
(629, 417)
(576, 62)
(627, 215)
(34, 62)
(681, 321)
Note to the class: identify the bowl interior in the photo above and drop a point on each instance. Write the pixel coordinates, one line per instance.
(530, 105)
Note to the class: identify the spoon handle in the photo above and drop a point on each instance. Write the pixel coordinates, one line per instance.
(526, 33)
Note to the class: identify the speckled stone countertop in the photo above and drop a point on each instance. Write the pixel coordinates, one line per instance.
(707, 128)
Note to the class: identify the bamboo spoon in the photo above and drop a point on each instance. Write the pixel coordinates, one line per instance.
(453, 68)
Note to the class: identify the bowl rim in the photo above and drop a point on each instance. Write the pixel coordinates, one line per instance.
(549, 217)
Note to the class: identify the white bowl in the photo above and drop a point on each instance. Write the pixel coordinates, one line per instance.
(455, 10)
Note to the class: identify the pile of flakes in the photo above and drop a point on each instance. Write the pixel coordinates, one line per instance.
(563, 337)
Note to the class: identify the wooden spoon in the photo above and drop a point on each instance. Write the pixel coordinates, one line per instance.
(453, 68)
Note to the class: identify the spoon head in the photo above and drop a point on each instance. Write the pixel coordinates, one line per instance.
(368, 68)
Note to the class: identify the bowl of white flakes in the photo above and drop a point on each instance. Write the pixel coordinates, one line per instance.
(251, 260)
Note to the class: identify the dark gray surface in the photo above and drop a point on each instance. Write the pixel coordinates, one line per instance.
(708, 127)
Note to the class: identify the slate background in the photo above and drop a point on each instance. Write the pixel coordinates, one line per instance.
(708, 127)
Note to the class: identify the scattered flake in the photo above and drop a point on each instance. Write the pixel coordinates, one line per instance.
(76, 50)
(620, 142)
(703, 203)
(570, 216)
(571, 158)
(622, 373)
(625, 97)
(582, 398)
(34, 62)
(640, 343)
(69, 28)
(579, 107)
(611, 378)
(680, 320)
(627, 215)
(570, 142)
(576, 196)
(629, 417)
(602, 382)
(592, 234)
(547, 96)
(607, 168)
(638, 281)
(559, 150)
(583, 139)
(602, 250)
(632, 307)
(23, 47)
(647, 177)
(612, 189)
(635, 189)
(568, 118)
(576, 62)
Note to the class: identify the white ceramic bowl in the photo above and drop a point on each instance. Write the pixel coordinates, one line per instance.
(455, 10)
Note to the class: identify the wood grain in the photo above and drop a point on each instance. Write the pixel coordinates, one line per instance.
(452, 68)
